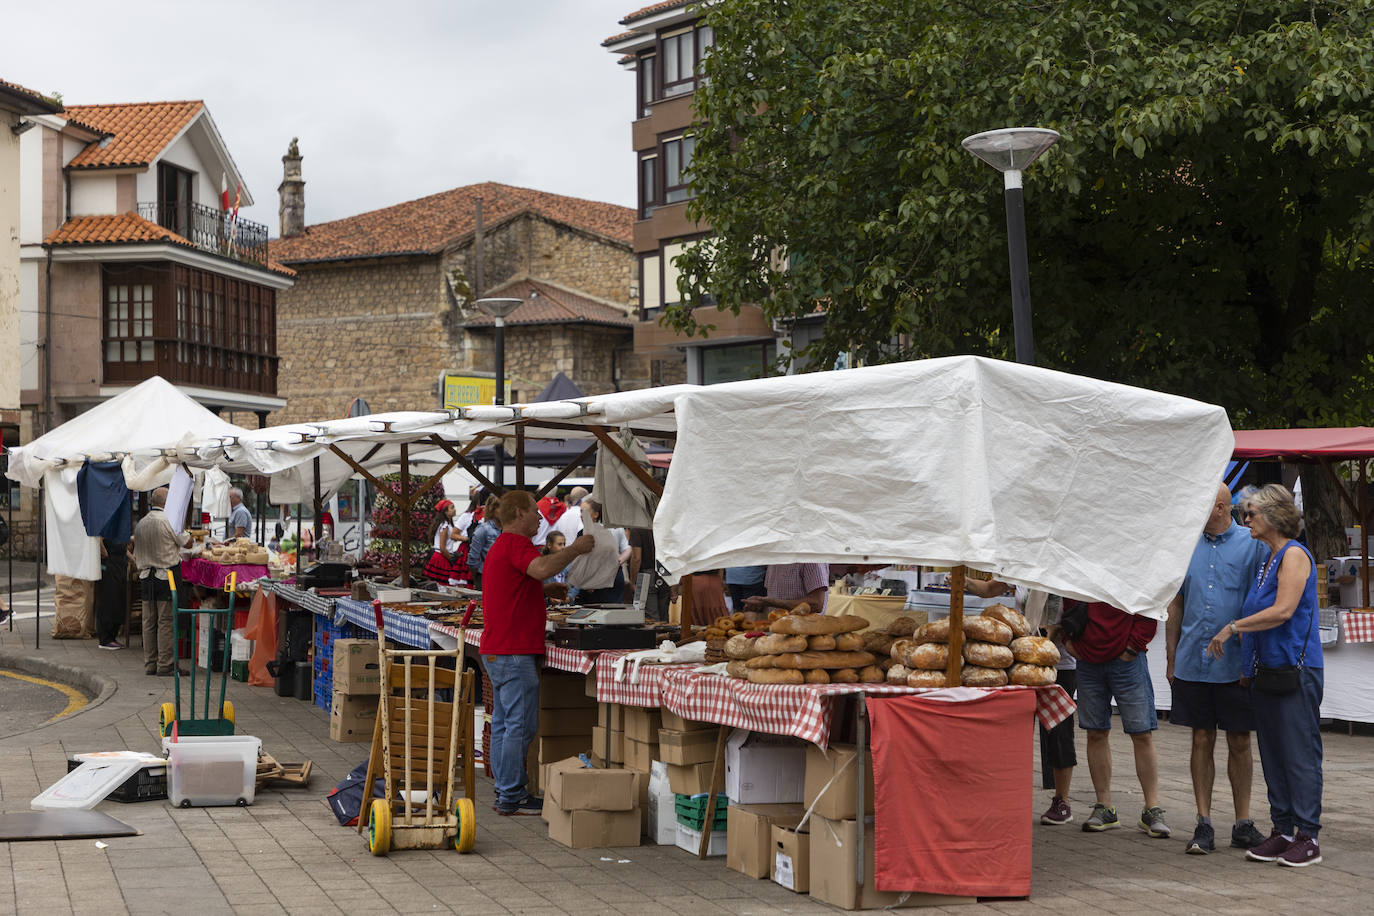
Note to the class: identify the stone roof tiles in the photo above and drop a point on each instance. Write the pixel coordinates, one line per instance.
(430, 224)
(126, 229)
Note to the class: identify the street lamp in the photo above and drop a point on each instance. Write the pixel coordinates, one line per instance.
(498, 309)
(1011, 151)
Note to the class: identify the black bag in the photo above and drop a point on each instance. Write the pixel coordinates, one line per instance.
(4, 533)
(1284, 679)
(1073, 620)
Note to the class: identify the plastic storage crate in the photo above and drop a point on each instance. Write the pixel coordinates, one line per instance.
(691, 811)
(148, 784)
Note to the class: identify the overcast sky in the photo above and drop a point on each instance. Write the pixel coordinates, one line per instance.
(391, 100)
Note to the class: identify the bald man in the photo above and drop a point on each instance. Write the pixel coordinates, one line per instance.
(157, 553)
(1207, 693)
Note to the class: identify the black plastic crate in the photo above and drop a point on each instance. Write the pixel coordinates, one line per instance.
(145, 785)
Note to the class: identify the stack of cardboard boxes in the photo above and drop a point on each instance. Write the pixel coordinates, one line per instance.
(357, 689)
(590, 808)
(566, 719)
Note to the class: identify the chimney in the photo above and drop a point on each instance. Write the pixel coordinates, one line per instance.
(291, 191)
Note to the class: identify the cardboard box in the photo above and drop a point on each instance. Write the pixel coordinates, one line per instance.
(690, 780)
(639, 755)
(357, 671)
(553, 748)
(838, 801)
(642, 724)
(611, 715)
(573, 787)
(791, 865)
(749, 847)
(565, 691)
(674, 722)
(764, 769)
(832, 871)
(352, 718)
(599, 735)
(555, 722)
(690, 840)
(583, 829)
(589, 688)
(684, 748)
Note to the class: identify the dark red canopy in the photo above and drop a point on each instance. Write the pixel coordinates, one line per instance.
(1305, 444)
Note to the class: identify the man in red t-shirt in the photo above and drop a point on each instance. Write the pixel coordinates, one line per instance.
(513, 614)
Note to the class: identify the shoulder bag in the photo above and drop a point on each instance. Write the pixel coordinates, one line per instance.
(1283, 679)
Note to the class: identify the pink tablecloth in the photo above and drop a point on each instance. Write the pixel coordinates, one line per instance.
(214, 575)
(804, 710)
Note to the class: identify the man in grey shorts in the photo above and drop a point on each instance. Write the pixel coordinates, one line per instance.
(1207, 693)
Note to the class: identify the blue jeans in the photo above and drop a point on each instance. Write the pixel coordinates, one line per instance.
(1288, 729)
(1126, 682)
(514, 721)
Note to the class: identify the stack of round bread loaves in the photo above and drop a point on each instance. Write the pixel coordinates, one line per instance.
(998, 649)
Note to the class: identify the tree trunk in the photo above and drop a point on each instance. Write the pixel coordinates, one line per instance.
(1324, 513)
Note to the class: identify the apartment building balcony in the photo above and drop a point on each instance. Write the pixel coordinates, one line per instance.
(211, 230)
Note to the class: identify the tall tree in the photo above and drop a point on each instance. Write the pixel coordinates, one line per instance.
(1203, 227)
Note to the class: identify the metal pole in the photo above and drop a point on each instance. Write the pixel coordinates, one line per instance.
(319, 528)
(9, 548)
(1020, 271)
(405, 516)
(499, 478)
(1364, 534)
(37, 564)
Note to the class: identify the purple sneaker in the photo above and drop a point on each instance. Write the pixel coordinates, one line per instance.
(1303, 852)
(1057, 813)
(1270, 849)
(110, 645)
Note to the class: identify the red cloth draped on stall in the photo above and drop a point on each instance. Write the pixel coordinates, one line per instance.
(262, 629)
(952, 793)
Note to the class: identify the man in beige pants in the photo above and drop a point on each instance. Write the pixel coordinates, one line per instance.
(157, 551)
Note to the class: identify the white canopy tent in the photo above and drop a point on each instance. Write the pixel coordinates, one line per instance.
(1053, 481)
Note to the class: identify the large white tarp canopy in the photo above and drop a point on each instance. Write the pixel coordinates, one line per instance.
(149, 418)
(1079, 487)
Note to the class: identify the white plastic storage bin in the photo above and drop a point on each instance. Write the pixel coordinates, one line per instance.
(212, 770)
(690, 840)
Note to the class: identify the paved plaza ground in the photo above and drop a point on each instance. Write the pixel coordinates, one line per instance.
(286, 853)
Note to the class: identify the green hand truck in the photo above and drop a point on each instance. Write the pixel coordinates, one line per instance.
(185, 719)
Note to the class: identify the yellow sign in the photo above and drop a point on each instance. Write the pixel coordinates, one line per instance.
(462, 390)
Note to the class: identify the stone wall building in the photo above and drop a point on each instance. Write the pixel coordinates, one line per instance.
(382, 305)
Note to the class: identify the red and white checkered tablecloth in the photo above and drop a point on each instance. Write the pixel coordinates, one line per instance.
(644, 688)
(803, 711)
(578, 661)
(1359, 626)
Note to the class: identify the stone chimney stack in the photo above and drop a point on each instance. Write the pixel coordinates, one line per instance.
(291, 191)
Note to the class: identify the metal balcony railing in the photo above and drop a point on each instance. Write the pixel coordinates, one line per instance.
(211, 230)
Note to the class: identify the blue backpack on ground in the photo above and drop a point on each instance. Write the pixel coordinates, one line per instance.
(346, 799)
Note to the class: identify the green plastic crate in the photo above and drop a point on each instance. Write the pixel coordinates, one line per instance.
(691, 811)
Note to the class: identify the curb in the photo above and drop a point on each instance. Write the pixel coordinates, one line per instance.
(100, 687)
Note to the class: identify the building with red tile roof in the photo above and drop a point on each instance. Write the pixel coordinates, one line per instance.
(383, 305)
(134, 263)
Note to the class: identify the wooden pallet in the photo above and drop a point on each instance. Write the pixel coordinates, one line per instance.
(293, 774)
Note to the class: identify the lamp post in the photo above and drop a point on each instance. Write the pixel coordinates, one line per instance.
(498, 309)
(1011, 151)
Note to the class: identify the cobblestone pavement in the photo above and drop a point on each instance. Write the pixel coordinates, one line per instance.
(286, 853)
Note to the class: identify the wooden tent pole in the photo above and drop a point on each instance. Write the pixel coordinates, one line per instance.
(558, 478)
(1364, 534)
(685, 605)
(405, 516)
(520, 457)
(954, 669)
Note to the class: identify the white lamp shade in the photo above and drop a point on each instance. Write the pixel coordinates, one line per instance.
(498, 308)
(1011, 148)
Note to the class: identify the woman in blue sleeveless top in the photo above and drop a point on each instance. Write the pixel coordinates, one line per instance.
(1278, 628)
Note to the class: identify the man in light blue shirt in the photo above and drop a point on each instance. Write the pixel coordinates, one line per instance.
(1207, 693)
(240, 521)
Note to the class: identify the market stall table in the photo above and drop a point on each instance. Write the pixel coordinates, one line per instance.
(213, 575)
(408, 629)
(576, 661)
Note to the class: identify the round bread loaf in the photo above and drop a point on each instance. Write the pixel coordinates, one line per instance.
(1013, 618)
(1035, 650)
(739, 647)
(901, 648)
(817, 643)
(871, 674)
(902, 626)
(925, 679)
(849, 642)
(935, 631)
(974, 676)
(878, 643)
(737, 668)
(1032, 675)
(986, 629)
(818, 676)
(844, 676)
(987, 655)
(897, 674)
(931, 656)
